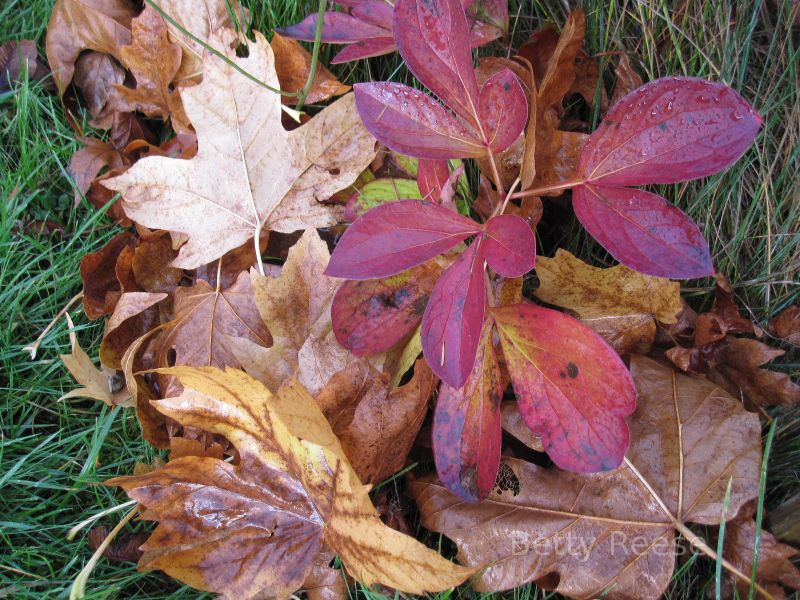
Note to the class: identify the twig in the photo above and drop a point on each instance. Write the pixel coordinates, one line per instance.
(34, 347)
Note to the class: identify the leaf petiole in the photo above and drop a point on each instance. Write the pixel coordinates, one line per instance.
(547, 189)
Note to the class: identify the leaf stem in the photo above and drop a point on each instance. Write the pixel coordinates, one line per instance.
(216, 52)
(498, 182)
(34, 347)
(312, 73)
(691, 536)
(501, 208)
(548, 188)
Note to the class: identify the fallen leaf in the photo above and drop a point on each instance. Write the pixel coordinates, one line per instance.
(101, 289)
(98, 384)
(620, 304)
(87, 163)
(204, 318)
(775, 568)
(293, 64)
(627, 79)
(96, 75)
(154, 62)
(17, 58)
(78, 25)
(611, 534)
(723, 318)
(134, 315)
(249, 173)
(295, 495)
(786, 325)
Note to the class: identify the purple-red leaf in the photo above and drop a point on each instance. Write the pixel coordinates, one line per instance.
(503, 110)
(466, 427)
(372, 316)
(452, 323)
(670, 130)
(376, 12)
(337, 28)
(432, 176)
(433, 39)
(572, 388)
(365, 49)
(510, 245)
(408, 121)
(643, 231)
(396, 236)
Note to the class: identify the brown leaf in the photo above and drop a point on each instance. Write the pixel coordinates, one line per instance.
(87, 163)
(513, 424)
(620, 304)
(786, 325)
(78, 25)
(101, 384)
(154, 62)
(135, 314)
(96, 74)
(201, 19)
(627, 79)
(204, 318)
(325, 582)
(150, 264)
(249, 173)
(101, 289)
(286, 496)
(774, 559)
(17, 57)
(723, 318)
(293, 63)
(377, 425)
(611, 534)
(123, 548)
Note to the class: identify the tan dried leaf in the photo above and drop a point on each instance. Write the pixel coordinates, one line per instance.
(96, 74)
(249, 173)
(620, 304)
(611, 534)
(293, 63)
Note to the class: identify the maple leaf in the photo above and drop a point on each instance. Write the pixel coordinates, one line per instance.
(98, 384)
(611, 534)
(154, 62)
(287, 494)
(620, 304)
(249, 173)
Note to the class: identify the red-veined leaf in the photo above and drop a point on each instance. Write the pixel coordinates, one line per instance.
(432, 176)
(503, 109)
(453, 320)
(372, 316)
(408, 121)
(466, 427)
(337, 28)
(510, 245)
(572, 388)
(397, 236)
(643, 231)
(365, 49)
(487, 19)
(433, 39)
(670, 130)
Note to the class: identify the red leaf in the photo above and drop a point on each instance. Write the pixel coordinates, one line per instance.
(510, 245)
(432, 176)
(433, 39)
(365, 49)
(670, 130)
(337, 28)
(503, 109)
(643, 231)
(408, 121)
(376, 12)
(396, 236)
(466, 428)
(572, 388)
(372, 316)
(452, 323)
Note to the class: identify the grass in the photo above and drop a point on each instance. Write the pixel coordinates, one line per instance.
(54, 455)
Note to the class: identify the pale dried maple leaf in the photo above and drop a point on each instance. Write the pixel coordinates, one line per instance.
(249, 173)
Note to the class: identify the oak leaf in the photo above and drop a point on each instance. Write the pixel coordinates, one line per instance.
(620, 304)
(249, 173)
(154, 62)
(612, 532)
(229, 527)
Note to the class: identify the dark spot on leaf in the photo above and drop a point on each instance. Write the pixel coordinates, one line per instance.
(662, 126)
(562, 374)
(506, 86)
(572, 370)
(334, 171)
